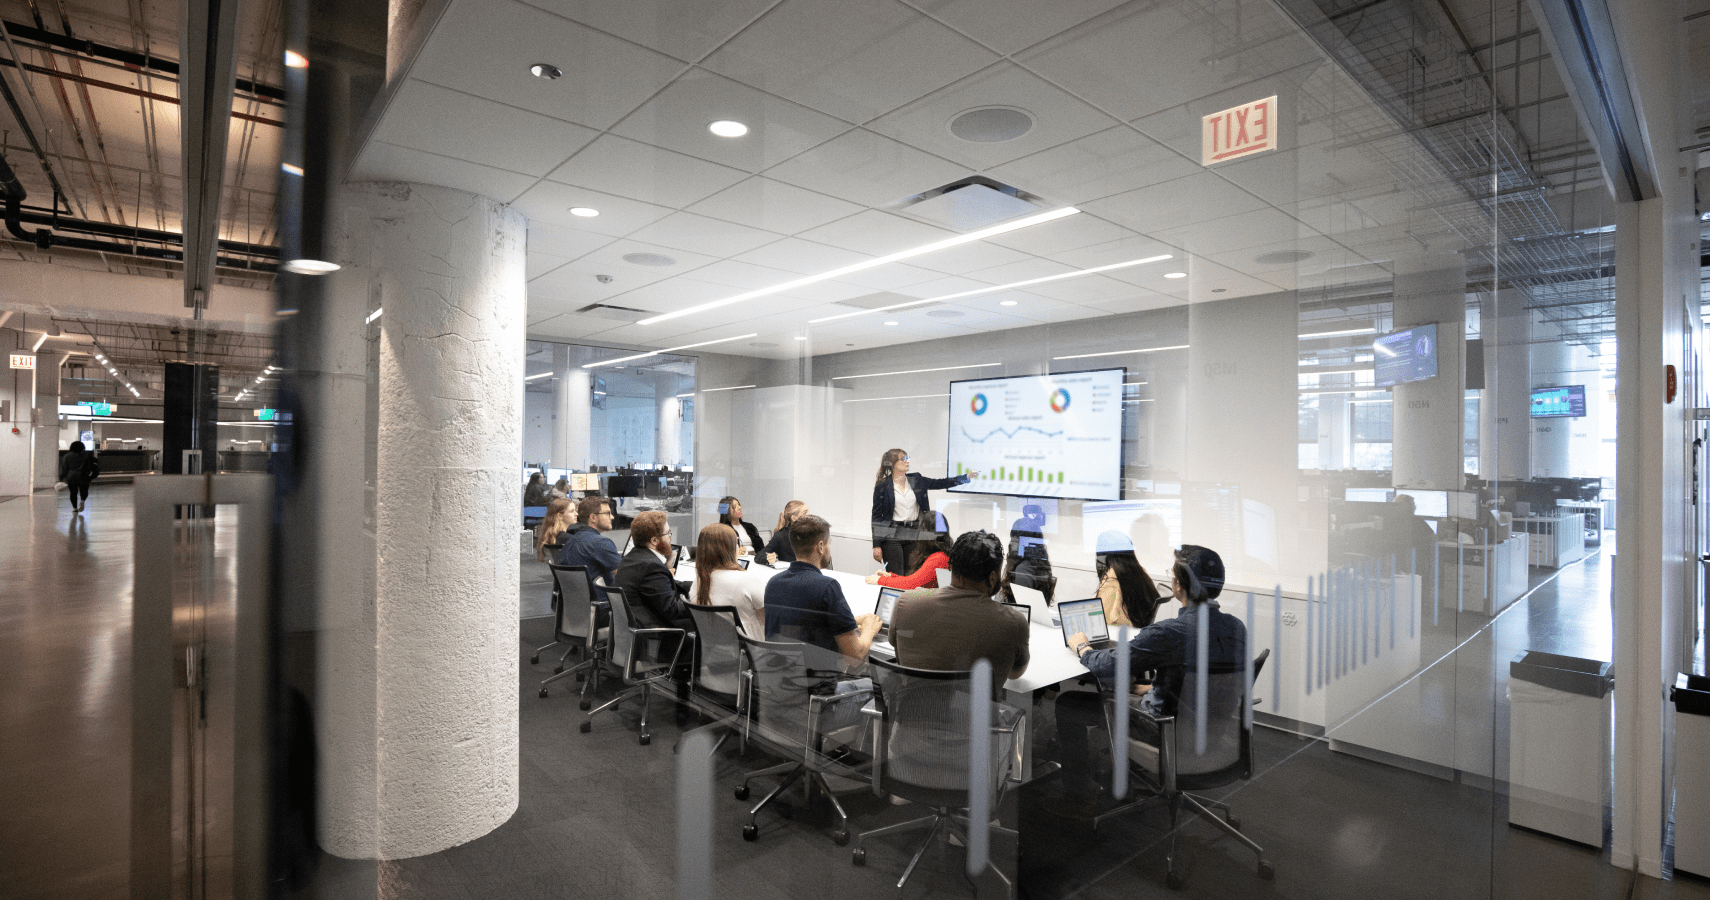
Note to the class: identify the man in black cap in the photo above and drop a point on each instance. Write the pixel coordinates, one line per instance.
(1166, 647)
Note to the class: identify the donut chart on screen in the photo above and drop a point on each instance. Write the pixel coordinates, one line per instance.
(1039, 435)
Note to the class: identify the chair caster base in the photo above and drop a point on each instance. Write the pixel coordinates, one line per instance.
(742, 792)
(1175, 882)
(646, 739)
(587, 727)
(750, 832)
(840, 837)
(1233, 822)
(858, 856)
(581, 677)
(585, 705)
(558, 670)
(534, 660)
(1266, 873)
(543, 692)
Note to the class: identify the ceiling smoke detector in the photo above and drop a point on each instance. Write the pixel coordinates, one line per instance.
(991, 124)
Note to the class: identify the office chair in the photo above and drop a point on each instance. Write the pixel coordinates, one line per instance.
(576, 622)
(943, 576)
(791, 708)
(1172, 768)
(921, 753)
(716, 687)
(639, 652)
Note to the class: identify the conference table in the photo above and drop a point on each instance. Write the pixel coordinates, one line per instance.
(1050, 662)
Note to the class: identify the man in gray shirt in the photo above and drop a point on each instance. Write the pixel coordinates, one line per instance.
(949, 628)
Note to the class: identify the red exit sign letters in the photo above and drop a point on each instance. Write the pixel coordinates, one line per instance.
(1244, 130)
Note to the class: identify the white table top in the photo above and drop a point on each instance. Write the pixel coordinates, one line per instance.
(1050, 662)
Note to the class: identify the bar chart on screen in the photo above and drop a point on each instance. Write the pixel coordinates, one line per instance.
(1039, 435)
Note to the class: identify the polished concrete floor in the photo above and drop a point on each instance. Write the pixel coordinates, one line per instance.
(597, 815)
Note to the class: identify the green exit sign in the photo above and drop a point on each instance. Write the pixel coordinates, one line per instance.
(101, 409)
(267, 415)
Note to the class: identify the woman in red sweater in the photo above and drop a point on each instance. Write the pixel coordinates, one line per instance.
(925, 560)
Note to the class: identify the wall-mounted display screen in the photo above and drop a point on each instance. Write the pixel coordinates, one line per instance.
(1561, 402)
(1039, 435)
(1430, 504)
(1405, 356)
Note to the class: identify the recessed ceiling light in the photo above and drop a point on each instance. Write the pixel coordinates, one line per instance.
(586, 212)
(290, 169)
(728, 128)
(891, 323)
(1175, 274)
(296, 60)
(544, 70)
(801, 337)
(1009, 303)
(311, 266)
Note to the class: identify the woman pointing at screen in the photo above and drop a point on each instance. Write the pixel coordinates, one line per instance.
(900, 505)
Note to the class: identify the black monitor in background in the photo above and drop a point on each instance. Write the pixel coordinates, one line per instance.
(623, 486)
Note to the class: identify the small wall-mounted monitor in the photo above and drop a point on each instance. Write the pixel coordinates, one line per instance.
(1560, 402)
(1366, 495)
(1404, 356)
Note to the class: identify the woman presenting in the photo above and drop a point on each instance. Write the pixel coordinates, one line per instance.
(899, 505)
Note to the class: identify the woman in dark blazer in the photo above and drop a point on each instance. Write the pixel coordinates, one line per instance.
(748, 539)
(899, 505)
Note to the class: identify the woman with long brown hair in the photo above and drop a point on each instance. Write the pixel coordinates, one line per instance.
(556, 521)
(779, 548)
(719, 581)
(900, 506)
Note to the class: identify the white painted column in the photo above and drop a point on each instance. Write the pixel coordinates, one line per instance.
(668, 418)
(1428, 414)
(1504, 424)
(434, 761)
(572, 413)
(17, 390)
(48, 370)
(1335, 433)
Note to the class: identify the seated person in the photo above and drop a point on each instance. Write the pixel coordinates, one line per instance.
(535, 492)
(747, 536)
(560, 489)
(719, 581)
(1167, 647)
(779, 547)
(1130, 597)
(585, 543)
(1029, 563)
(950, 628)
(925, 558)
(548, 535)
(804, 604)
(655, 598)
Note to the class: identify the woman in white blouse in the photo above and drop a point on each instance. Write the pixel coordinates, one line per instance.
(719, 581)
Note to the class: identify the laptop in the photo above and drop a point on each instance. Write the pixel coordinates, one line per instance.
(886, 606)
(1086, 616)
(743, 561)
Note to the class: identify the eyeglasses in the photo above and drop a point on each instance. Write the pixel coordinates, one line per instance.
(904, 459)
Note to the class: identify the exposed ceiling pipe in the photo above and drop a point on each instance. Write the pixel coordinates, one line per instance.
(208, 47)
(123, 89)
(71, 198)
(30, 136)
(129, 58)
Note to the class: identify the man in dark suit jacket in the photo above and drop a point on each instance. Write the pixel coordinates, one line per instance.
(655, 597)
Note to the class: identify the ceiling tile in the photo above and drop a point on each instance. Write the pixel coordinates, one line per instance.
(390, 162)
(1008, 26)
(686, 29)
(802, 257)
(1021, 270)
(538, 264)
(774, 206)
(1057, 117)
(570, 326)
(677, 119)
(644, 172)
(484, 47)
(700, 234)
(969, 258)
(1099, 165)
(867, 168)
(1184, 201)
(534, 144)
(1085, 289)
(672, 294)
(1061, 235)
(579, 278)
(743, 276)
(877, 233)
(850, 60)
(550, 203)
(1124, 250)
(569, 243)
(1254, 228)
(891, 277)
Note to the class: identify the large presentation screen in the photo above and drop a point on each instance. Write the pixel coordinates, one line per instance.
(1405, 356)
(1039, 435)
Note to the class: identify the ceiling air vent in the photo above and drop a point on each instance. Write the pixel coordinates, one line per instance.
(621, 313)
(971, 204)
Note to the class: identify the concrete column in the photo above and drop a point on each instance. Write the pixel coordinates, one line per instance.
(1551, 438)
(668, 419)
(48, 370)
(428, 748)
(1335, 444)
(1504, 425)
(17, 392)
(572, 414)
(1428, 419)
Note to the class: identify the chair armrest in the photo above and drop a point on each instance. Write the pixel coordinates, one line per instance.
(877, 717)
(682, 638)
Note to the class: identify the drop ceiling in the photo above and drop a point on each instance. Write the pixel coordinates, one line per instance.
(848, 106)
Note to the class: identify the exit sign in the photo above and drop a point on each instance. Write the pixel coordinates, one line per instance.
(1240, 131)
(23, 360)
(101, 409)
(267, 415)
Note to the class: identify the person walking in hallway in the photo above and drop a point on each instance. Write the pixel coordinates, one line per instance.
(77, 468)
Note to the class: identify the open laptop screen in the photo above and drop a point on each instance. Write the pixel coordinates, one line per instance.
(743, 561)
(887, 603)
(1083, 616)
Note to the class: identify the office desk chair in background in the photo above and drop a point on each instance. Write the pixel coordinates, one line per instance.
(716, 687)
(576, 622)
(640, 654)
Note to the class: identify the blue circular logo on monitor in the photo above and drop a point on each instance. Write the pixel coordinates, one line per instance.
(978, 405)
(1059, 400)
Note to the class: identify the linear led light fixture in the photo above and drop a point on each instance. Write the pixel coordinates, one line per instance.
(373, 315)
(1345, 391)
(39, 342)
(1311, 371)
(909, 397)
(1325, 334)
(1147, 400)
(915, 371)
(595, 365)
(541, 375)
(1001, 287)
(734, 387)
(1121, 352)
(922, 250)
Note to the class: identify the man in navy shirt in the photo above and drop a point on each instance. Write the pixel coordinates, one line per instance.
(585, 544)
(804, 604)
(1166, 646)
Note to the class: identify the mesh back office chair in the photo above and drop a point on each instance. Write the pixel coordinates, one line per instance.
(1171, 768)
(576, 622)
(792, 707)
(717, 684)
(642, 655)
(557, 637)
(921, 736)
